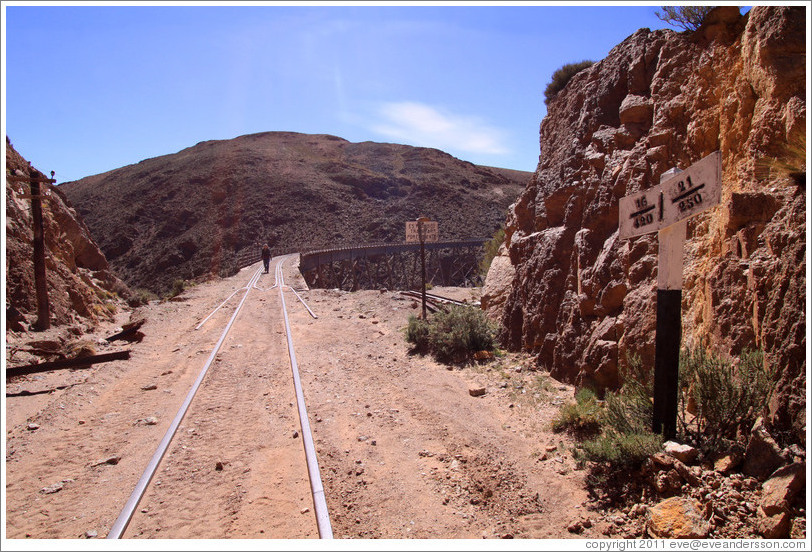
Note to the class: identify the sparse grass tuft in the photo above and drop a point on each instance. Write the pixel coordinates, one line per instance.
(140, 297)
(581, 418)
(620, 449)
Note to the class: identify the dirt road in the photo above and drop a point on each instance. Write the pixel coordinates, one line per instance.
(404, 449)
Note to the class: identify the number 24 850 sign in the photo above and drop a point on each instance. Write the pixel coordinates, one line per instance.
(684, 195)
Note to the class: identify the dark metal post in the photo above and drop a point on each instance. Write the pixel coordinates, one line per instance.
(666, 362)
(669, 325)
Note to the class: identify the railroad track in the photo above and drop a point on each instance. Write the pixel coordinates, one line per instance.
(435, 302)
(265, 481)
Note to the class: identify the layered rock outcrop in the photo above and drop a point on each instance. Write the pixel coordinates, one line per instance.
(81, 288)
(581, 298)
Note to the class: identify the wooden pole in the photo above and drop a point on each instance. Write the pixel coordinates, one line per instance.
(422, 264)
(84, 362)
(40, 278)
(669, 325)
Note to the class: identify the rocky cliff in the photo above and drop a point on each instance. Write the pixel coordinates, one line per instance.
(81, 288)
(191, 213)
(581, 298)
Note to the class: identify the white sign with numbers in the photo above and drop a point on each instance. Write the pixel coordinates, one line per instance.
(684, 195)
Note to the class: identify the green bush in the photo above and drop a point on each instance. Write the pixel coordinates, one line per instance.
(177, 288)
(562, 76)
(583, 417)
(491, 249)
(629, 409)
(725, 397)
(453, 335)
(140, 297)
(417, 333)
(618, 430)
(621, 450)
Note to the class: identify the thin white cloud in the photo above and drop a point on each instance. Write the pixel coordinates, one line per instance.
(423, 125)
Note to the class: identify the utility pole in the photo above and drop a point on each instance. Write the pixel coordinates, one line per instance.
(40, 280)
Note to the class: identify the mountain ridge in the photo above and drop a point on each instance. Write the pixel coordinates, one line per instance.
(192, 213)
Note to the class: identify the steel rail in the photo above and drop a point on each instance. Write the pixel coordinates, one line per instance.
(217, 309)
(123, 520)
(299, 297)
(226, 301)
(452, 301)
(316, 486)
(437, 298)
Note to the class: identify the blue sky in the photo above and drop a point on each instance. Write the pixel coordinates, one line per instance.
(91, 88)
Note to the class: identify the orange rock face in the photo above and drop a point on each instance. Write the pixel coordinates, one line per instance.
(581, 298)
(79, 280)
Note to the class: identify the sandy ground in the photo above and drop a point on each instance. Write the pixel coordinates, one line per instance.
(404, 449)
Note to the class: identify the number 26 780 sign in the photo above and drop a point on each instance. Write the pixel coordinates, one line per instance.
(684, 195)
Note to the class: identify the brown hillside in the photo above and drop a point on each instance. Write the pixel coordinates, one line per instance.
(189, 214)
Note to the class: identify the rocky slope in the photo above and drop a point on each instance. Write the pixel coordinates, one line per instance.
(193, 212)
(81, 288)
(582, 299)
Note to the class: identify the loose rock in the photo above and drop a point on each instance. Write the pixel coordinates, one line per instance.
(51, 489)
(677, 518)
(763, 455)
(112, 460)
(774, 527)
(683, 453)
(779, 491)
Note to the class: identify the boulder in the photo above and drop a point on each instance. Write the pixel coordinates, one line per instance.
(636, 110)
(677, 518)
(779, 491)
(774, 527)
(683, 453)
(497, 285)
(763, 455)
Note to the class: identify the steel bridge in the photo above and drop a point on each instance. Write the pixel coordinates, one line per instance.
(394, 266)
(387, 265)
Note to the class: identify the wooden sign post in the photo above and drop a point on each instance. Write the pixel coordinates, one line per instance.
(666, 209)
(40, 280)
(422, 230)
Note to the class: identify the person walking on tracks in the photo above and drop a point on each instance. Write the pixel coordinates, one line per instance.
(266, 257)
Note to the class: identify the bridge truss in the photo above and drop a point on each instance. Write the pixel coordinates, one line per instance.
(393, 266)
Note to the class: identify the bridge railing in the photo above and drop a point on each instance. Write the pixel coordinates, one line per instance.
(312, 257)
